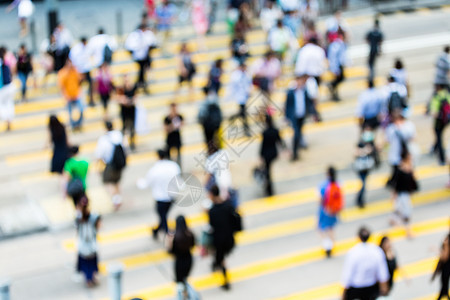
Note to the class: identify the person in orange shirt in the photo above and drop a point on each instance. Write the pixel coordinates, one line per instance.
(70, 84)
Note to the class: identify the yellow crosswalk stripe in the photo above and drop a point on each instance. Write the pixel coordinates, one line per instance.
(289, 261)
(334, 290)
(269, 204)
(288, 228)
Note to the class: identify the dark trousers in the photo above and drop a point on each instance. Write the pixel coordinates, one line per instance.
(178, 148)
(209, 134)
(87, 77)
(143, 64)
(445, 277)
(438, 146)
(338, 78)
(268, 183)
(243, 115)
(366, 293)
(298, 135)
(360, 198)
(371, 63)
(162, 208)
(128, 125)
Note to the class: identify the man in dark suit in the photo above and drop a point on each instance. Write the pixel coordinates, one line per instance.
(299, 104)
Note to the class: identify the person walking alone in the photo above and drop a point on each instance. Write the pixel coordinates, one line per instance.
(172, 125)
(127, 101)
(443, 267)
(269, 152)
(392, 261)
(337, 57)
(24, 68)
(440, 110)
(331, 203)
(222, 222)
(75, 173)
(365, 274)
(299, 104)
(158, 178)
(80, 55)
(69, 80)
(88, 225)
(58, 138)
(240, 87)
(180, 245)
(375, 39)
(111, 152)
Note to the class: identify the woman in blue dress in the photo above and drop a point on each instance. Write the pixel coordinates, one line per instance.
(327, 219)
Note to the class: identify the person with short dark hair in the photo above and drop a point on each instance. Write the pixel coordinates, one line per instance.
(127, 101)
(375, 39)
(158, 179)
(221, 221)
(172, 125)
(365, 273)
(240, 87)
(370, 107)
(392, 261)
(7, 90)
(442, 68)
(88, 225)
(337, 58)
(439, 109)
(186, 68)
(24, 68)
(80, 55)
(104, 153)
(76, 169)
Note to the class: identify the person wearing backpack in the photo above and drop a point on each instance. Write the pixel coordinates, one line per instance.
(75, 173)
(331, 204)
(396, 95)
(110, 152)
(399, 135)
(87, 224)
(102, 46)
(440, 110)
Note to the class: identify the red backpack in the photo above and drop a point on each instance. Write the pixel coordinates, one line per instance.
(334, 199)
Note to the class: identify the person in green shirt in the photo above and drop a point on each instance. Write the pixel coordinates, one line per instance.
(439, 108)
(75, 173)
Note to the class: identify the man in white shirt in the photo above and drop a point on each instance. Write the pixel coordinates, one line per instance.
(311, 60)
(365, 274)
(158, 178)
(280, 39)
(139, 43)
(80, 55)
(395, 95)
(102, 46)
(104, 154)
(370, 106)
(239, 89)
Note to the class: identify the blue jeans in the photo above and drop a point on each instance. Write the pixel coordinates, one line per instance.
(23, 77)
(79, 105)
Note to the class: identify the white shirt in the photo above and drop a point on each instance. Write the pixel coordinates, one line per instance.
(407, 130)
(399, 76)
(218, 164)
(290, 5)
(240, 86)
(97, 45)
(310, 60)
(364, 266)
(269, 17)
(279, 38)
(63, 38)
(393, 87)
(106, 143)
(159, 177)
(370, 104)
(300, 105)
(139, 43)
(80, 55)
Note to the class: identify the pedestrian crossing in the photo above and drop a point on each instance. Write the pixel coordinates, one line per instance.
(32, 119)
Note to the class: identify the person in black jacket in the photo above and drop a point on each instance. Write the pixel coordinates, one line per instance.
(221, 219)
(180, 245)
(269, 151)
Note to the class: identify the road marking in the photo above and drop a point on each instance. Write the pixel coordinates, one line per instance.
(267, 204)
(284, 262)
(284, 229)
(334, 290)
